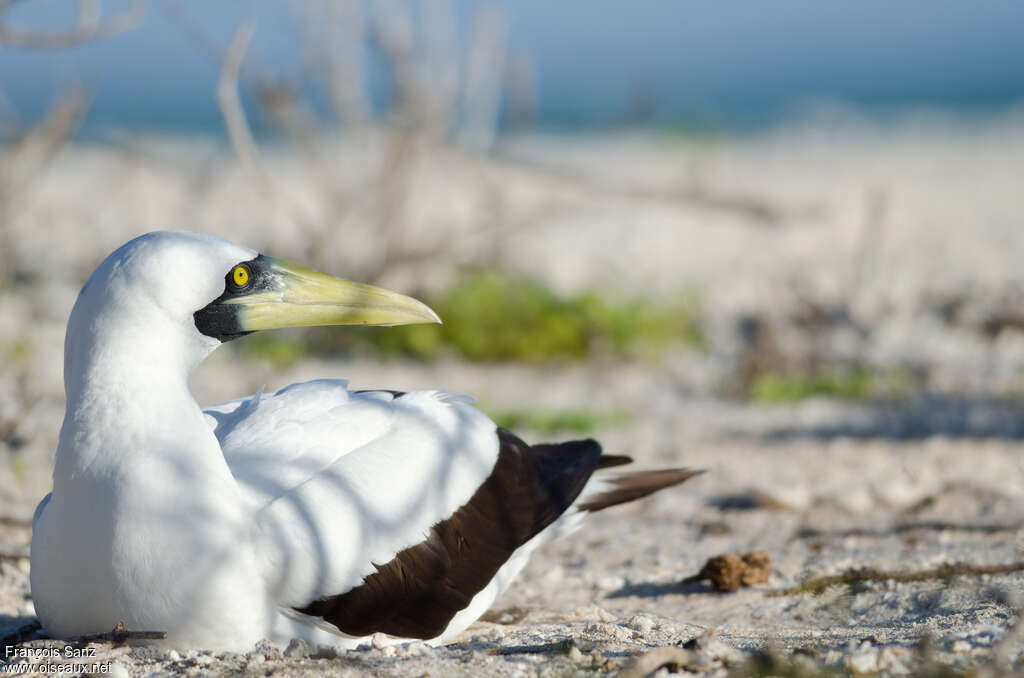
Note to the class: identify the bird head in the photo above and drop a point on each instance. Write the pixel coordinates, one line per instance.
(175, 288)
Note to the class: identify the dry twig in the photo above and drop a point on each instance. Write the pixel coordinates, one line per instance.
(119, 635)
(649, 662)
(820, 584)
(90, 25)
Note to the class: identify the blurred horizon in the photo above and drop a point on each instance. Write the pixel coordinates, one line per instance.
(731, 65)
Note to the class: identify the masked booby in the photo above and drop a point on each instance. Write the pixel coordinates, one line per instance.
(314, 512)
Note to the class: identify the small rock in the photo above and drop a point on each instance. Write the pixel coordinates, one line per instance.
(575, 656)
(378, 641)
(268, 650)
(172, 655)
(416, 648)
(641, 623)
(894, 660)
(389, 651)
(609, 631)
(297, 647)
(147, 653)
(864, 661)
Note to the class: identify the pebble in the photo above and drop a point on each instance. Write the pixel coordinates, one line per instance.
(894, 660)
(575, 656)
(864, 661)
(641, 623)
(616, 632)
(414, 649)
(297, 648)
(172, 655)
(268, 650)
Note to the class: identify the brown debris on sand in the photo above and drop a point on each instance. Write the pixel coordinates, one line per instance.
(731, 571)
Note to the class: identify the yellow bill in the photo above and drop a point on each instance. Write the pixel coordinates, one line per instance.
(285, 294)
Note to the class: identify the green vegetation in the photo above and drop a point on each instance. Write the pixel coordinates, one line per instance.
(492, 316)
(807, 663)
(546, 422)
(19, 468)
(282, 347)
(857, 383)
(17, 352)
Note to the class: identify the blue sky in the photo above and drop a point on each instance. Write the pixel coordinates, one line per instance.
(729, 61)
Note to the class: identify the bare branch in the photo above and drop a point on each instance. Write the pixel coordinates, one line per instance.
(650, 662)
(194, 31)
(119, 635)
(89, 26)
(231, 104)
(482, 91)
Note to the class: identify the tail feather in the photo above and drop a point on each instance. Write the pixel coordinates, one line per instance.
(610, 460)
(630, 486)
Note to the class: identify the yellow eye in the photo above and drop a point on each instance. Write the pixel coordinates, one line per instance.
(240, 275)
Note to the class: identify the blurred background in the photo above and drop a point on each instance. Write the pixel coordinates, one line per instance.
(782, 241)
(717, 202)
(729, 203)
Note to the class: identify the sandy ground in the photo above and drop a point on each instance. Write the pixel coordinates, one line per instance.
(913, 232)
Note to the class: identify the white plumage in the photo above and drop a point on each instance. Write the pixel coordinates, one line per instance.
(253, 519)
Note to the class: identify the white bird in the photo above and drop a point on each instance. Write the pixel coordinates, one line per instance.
(314, 512)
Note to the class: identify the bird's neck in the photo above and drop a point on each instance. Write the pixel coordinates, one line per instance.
(128, 398)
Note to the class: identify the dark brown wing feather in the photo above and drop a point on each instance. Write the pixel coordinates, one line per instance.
(416, 594)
